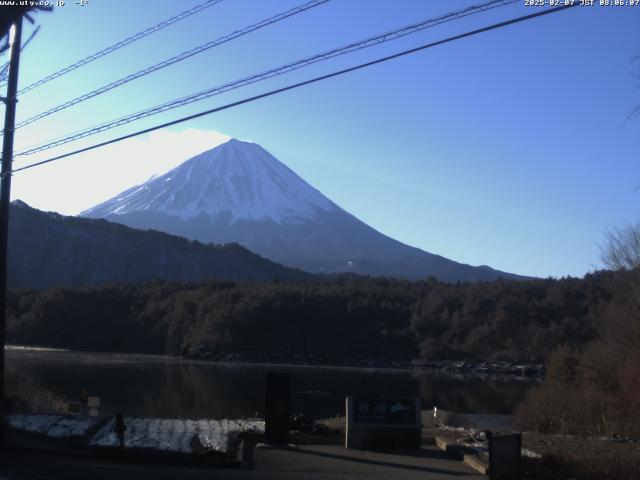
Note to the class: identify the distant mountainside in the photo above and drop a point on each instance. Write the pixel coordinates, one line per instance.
(238, 192)
(48, 249)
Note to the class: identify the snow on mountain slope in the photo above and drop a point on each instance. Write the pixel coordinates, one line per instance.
(237, 179)
(239, 193)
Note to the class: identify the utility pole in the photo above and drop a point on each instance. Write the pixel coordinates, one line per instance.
(5, 198)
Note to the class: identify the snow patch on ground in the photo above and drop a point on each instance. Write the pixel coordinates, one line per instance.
(177, 435)
(55, 426)
(156, 434)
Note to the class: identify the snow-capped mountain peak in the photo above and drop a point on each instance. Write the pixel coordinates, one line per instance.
(238, 192)
(238, 180)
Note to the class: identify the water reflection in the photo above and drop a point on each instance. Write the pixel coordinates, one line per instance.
(162, 387)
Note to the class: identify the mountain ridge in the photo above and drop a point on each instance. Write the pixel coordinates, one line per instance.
(239, 192)
(48, 249)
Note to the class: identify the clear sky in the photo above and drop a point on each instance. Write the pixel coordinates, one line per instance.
(510, 149)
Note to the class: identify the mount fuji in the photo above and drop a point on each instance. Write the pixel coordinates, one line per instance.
(238, 192)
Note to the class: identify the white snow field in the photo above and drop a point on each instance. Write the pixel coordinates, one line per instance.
(240, 179)
(153, 434)
(55, 426)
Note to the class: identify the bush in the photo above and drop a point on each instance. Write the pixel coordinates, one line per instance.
(593, 390)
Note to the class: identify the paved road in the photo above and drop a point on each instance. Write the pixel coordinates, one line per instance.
(322, 462)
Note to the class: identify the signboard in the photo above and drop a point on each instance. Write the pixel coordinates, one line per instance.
(386, 411)
(74, 408)
(383, 423)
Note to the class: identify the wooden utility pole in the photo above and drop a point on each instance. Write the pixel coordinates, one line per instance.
(5, 197)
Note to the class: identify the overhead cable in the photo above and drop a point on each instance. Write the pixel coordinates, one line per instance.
(495, 26)
(174, 59)
(289, 67)
(120, 44)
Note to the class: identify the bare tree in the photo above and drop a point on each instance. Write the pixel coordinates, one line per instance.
(636, 75)
(621, 249)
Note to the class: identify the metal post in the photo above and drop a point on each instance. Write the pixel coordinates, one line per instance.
(120, 428)
(5, 197)
(277, 413)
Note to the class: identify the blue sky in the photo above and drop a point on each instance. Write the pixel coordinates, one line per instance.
(510, 149)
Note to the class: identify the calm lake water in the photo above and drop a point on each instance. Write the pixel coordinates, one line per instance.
(153, 386)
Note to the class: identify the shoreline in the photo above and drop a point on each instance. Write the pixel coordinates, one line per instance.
(508, 371)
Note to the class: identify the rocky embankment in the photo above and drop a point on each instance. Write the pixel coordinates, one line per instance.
(522, 370)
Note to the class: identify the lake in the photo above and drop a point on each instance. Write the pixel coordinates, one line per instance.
(156, 386)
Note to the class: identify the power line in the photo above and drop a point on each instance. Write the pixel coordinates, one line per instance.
(175, 59)
(121, 43)
(289, 67)
(299, 84)
(4, 72)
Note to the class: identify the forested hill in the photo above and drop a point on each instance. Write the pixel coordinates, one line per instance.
(324, 321)
(47, 249)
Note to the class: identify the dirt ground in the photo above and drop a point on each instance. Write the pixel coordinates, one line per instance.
(582, 458)
(564, 457)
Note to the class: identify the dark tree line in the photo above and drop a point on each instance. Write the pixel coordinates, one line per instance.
(326, 320)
